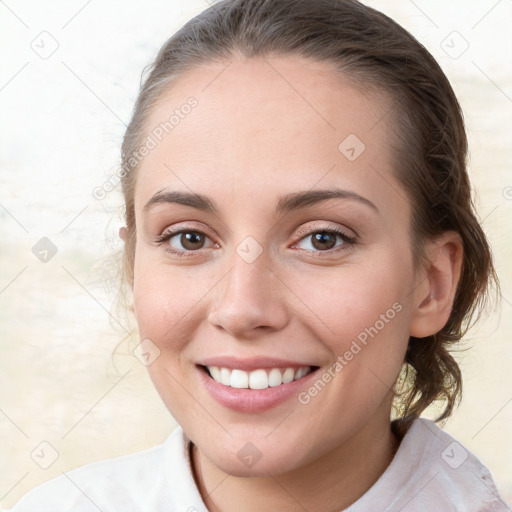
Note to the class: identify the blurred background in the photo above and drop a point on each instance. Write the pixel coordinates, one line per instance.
(72, 392)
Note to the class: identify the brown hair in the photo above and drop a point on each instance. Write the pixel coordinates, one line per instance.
(430, 142)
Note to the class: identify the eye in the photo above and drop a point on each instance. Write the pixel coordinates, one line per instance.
(325, 240)
(184, 241)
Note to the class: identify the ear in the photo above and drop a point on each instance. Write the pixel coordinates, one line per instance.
(122, 233)
(438, 280)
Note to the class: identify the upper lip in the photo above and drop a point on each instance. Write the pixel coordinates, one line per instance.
(253, 363)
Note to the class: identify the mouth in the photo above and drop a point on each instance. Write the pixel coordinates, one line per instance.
(257, 379)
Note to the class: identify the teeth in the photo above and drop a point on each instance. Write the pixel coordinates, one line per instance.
(275, 378)
(257, 379)
(288, 375)
(225, 376)
(239, 379)
(301, 372)
(215, 373)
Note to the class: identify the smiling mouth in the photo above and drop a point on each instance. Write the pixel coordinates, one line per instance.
(256, 379)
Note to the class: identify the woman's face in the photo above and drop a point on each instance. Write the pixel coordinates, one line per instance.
(266, 267)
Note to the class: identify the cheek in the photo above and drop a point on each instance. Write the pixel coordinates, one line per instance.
(164, 298)
(348, 300)
(168, 308)
(170, 301)
(363, 318)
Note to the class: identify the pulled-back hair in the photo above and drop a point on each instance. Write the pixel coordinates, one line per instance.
(429, 143)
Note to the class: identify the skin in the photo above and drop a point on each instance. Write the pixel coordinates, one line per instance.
(264, 128)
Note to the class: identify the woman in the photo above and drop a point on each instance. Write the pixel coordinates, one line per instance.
(302, 250)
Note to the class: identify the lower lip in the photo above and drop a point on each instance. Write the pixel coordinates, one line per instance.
(253, 400)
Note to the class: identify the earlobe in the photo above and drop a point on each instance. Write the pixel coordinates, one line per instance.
(434, 296)
(122, 233)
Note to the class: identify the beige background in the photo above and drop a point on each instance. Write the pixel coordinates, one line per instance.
(61, 127)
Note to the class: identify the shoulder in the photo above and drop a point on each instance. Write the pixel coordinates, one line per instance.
(129, 482)
(433, 470)
(453, 473)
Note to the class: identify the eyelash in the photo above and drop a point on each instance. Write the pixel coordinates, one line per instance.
(348, 241)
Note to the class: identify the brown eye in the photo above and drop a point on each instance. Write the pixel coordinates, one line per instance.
(192, 240)
(326, 240)
(323, 240)
(184, 242)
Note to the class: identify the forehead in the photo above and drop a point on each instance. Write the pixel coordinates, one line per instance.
(265, 122)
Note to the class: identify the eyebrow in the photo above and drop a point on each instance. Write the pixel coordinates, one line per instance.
(288, 203)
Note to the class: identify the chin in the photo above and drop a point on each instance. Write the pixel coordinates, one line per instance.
(250, 461)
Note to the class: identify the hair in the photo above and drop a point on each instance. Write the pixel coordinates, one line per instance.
(430, 151)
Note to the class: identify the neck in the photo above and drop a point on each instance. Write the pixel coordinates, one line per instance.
(331, 483)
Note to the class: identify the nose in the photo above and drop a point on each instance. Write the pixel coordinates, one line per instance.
(249, 300)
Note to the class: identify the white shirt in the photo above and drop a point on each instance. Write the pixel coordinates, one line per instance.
(431, 472)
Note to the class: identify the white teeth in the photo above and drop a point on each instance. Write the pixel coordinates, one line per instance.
(257, 379)
(300, 373)
(288, 375)
(215, 373)
(239, 379)
(275, 378)
(225, 376)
